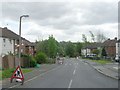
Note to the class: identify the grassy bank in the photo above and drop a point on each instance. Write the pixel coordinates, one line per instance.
(8, 73)
(101, 61)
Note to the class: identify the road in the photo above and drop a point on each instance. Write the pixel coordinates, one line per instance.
(74, 73)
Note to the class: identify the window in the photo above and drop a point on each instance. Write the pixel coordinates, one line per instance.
(4, 40)
(10, 41)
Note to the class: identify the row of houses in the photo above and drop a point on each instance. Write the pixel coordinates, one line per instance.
(111, 47)
(10, 43)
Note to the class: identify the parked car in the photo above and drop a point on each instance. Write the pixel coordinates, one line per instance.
(60, 60)
(117, 58)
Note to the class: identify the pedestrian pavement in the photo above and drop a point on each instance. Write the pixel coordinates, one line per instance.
(110, 69)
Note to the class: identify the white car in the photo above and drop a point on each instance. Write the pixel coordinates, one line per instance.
(117, 58)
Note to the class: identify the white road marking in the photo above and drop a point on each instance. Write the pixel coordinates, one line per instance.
(74, 72)
(115, 68)
(70, 84)
(35, 77)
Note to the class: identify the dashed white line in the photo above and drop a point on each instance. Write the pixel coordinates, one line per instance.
(70, 84)
(74, 72)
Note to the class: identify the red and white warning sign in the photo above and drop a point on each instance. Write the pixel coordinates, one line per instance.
(18, 75)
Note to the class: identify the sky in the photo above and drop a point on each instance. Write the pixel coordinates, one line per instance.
(66, 20)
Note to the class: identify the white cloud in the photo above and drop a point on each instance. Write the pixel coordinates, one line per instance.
(64, 20)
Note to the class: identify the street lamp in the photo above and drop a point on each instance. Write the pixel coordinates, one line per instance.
(20, 37)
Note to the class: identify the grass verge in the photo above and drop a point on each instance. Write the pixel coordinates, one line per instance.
(8, 73)
(102, 61)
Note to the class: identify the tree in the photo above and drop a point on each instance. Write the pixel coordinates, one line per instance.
(78, 48)
(70, 49)
(41, 58)
(96, 51)
(84, 38)
(104, 52)
(92, 36)
(101, 37)
(52, 47)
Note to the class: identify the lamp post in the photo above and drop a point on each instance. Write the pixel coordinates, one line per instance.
(20, 37)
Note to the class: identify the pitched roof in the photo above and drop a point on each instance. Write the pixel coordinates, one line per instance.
(110, 43)
(92, 46)
(8, 33)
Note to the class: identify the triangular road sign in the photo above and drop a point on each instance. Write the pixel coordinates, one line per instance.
(17, 74)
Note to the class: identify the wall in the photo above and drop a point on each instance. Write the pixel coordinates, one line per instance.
(7, 45)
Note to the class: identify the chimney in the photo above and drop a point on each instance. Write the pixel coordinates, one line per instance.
(5, 27)
(115, 38)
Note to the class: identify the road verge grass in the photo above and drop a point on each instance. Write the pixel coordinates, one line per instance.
(101, 61)
(8, 72)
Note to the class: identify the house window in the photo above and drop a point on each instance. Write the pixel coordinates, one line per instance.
(10, 41)
(4, 40)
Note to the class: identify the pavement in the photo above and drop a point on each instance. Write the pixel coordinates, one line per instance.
(74, 73)
(110, 69)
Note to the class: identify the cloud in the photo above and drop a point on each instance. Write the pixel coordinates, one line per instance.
(65, 20)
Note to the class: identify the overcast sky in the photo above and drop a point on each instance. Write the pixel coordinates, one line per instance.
(65, 20)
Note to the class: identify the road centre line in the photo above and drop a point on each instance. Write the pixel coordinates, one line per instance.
(70, 84)
(74, 72)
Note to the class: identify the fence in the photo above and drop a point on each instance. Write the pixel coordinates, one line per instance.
(10, 61)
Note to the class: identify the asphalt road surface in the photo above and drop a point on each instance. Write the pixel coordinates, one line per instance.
(74, 73)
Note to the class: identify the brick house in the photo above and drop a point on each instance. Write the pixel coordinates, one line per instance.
(110, 47)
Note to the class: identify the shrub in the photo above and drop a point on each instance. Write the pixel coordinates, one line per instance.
(41, 58)
(33, 63)
(50, 61)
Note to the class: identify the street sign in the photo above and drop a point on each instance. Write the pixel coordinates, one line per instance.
(18, 75)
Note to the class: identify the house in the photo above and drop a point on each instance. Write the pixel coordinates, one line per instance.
(10, 43)
(89, 48)
(7, 40)
(110, 47)
(118, 47)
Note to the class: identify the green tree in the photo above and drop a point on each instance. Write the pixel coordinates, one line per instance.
(104, 54)
(52, 47)
(70, 49)
(41, 58)
(96, 51)
(78, 48)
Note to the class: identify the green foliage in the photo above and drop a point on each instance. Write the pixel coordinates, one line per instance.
(78, 48)
(7, 73)
(70, 49)
(41, 58)
(96, 51)
(49, 47)
(33, 62)
(104, 52)
(52, 47)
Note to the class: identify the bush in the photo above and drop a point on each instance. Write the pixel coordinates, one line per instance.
(50, 61)
(33, 63)
(41, 58)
